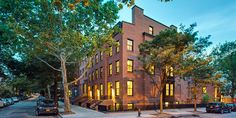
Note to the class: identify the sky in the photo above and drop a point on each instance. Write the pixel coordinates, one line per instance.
(213, 17)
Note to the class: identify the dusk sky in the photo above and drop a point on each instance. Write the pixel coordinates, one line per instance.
(213, 17)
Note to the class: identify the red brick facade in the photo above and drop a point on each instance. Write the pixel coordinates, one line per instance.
(143, 93)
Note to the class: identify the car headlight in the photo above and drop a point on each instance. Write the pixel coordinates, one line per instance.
(40, 107)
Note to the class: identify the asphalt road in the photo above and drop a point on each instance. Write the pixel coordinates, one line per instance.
(22, 109)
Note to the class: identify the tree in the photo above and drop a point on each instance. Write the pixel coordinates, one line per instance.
(225, 61)
(65, 31)
(167, 52)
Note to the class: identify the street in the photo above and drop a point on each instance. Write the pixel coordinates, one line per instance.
(22, 109)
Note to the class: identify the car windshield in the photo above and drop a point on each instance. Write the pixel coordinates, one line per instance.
(47, 103)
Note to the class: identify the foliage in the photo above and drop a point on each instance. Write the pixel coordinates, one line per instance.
(225, 61)
(180, 50)
(205, 98)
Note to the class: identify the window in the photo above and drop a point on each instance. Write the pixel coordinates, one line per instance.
(204, 90)
(101, 72)
(109, 90)
(169, 71)
(130, 106)
(129, 88)
(150, 30)
(130, 45)
(96, 58)
(167, 89)
(117, 90)
(171, 89)
(110, 69)
(152, 69)
(118, 47)
(130, 65)
(110, 51)
(96, 72)
(117, 106)
(101, 55)
(101, 89)
(215, 92)
(117, 66)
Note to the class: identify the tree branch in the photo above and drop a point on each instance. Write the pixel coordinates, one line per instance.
(48, 64)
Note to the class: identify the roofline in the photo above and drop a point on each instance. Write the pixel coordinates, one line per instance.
(156, 21)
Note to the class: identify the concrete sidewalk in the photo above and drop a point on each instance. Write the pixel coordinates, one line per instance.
(81, 112)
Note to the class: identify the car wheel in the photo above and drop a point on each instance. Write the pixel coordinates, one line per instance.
(36, 112)
(207, 111)
(221, 111)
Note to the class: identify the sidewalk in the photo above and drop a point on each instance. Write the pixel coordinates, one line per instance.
(81, 112)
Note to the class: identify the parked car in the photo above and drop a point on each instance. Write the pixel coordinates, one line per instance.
(10, 101)
(231, 106)
(46, 106)
(217, 107)
(15, 99)
(5, 101)
(1, 104)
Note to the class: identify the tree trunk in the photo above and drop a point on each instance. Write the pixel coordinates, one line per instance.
(67, 108)
(161, 102)
(49, 93)
(195, 98)
(55, 92)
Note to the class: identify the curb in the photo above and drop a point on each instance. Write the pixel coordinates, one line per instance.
(60, 116)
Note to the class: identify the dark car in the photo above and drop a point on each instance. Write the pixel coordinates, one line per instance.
(231, 106)
(46, 106)
(217, 107)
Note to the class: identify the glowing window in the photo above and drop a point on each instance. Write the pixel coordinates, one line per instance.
(110, 51)
(129, 88)
(110, 69)
(130, 45)
(150, 30)
(117, 90)
(130, 65)
(167, 89)
(130, 106)
(204, 90)
(171, 89)
(117, 66)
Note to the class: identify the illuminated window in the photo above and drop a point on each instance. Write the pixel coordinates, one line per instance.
(204, 90)
(171, 89)
(109, 90)
(129, 88)
(171, 71)
(118, 47)
(117, 90)
(117, 106)
(130, 106)
(150, 30)
(117, 66)
(216, 91)
(101, 89)
(167, 89)
(96, 58)
(110, 69)
(101, 55)
(96, 72)
(101, 72)
(110, 51)
(152, 69)
(130, 65)
(130, 45)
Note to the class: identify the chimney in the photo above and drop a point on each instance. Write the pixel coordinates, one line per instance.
(137, 14)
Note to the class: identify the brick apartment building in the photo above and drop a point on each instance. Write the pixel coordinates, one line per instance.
(113, 80)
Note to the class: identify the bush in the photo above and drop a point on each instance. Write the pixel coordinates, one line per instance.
(205, 98)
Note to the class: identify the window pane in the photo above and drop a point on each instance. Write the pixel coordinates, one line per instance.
(118, 47)
(110, 51)
(101, 89)
(117, 88)
(130, 45)
(167, 89)
(110, 69)
(118, 66)
(171, 89)
(130, 88)
(130, 65)
(150, 30)
(204, 90)
(130, 106)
